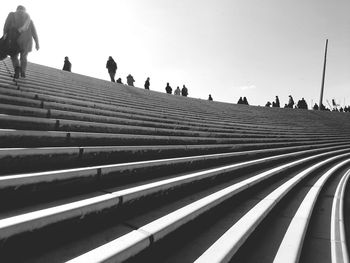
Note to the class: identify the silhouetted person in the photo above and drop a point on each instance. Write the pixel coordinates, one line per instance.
(290, 102)
(112, 68)
(240, 101)
(20, 31)
(130, 80)
(276, 103)
(67, 66)
(302, 104)
(168, 89)
(177, 91)
(245, 101)
(119, 80)
(268, 104)
(315, 107)
(184, 91)
(341, 109)
(147, 83)
(210, 97)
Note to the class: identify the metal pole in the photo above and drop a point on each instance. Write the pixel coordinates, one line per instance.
(324, 73)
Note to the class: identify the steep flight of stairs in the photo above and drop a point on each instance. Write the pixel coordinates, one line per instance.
(94, 171)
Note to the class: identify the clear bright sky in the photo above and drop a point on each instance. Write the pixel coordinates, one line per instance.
(227, 48)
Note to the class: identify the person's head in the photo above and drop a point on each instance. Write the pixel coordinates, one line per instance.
(167, 83)
(21, 8)
(66, 58)
(110, 58)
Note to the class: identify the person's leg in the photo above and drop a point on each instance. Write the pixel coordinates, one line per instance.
(112, 75)
(23, 64)
(15, 63)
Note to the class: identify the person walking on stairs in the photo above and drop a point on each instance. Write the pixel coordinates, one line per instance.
(168, 89)
(67, 65)
(130, 80)
(184, 91)
(147, 83)
(112, 68)
(177, 91)
(19, 30)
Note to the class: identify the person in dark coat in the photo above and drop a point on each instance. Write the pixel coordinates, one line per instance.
(210, 97)
(147, 84)
(245, 101)
(119, 80)
(112, 68)
(240, 100)
(130, 80)
(67, 65)
(302, 104)
(168, 89)
(276, 103)
(184, 91)
(290, 102)
(20, 31)
(268, 104)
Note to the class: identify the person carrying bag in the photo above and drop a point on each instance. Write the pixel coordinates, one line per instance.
(19, 32)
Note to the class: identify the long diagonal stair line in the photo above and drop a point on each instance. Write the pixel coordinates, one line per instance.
(98, 172)
(136, 241)
(292, 243)
(94, 171)
(339, 248)
(64, 157)
(225, 247)
(33, 220)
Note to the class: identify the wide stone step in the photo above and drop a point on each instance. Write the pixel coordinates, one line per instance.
(17, 160)
(13, 226)
(129, 120)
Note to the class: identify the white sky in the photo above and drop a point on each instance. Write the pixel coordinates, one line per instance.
(227, 48)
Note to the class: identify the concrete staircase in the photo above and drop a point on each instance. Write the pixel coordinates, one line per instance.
(94, 171)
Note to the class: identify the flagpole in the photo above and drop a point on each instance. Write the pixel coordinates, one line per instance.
(324, 73)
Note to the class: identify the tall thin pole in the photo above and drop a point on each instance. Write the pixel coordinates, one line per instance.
(324, 73)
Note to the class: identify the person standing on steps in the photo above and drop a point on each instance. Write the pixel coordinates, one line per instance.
(168, 89)
(112, 68)
(67, 65)
(177, 91)
(147, 84)
(290, 102)
(276, 104)
(19, 30)
(130, 80)
(184, 91)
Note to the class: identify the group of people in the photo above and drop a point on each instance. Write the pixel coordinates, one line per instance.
(303, 105)
(177, 91)
(243, 101)
(112, 69)
(19, 32)
(291, 104)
